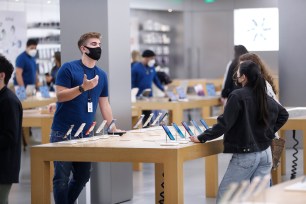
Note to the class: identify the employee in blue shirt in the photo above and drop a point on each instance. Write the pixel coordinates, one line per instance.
(144, 74)
(26, 72)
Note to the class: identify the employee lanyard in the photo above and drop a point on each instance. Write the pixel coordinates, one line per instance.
(89, 91)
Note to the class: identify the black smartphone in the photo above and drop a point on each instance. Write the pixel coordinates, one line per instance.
(164, 117)
(204, 123)
(185, 125)
(171, 137)
(195, 124)
(178, 130)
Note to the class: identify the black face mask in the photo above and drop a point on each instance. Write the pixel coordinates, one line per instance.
(94, 52)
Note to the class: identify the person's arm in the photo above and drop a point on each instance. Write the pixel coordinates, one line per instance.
(134, 77)
(64, 94)
(228, 84)
(19, 78)
(158, 83)
(282, 118)
(224, 121)
(106, 109)
(10, 126)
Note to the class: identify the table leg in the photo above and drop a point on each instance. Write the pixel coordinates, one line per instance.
(159, 180)
(40, 180)
(177, 115)
(174, 181)
(283, 157)
(211, 175)
(304, 148)
(137, 166)
(206, 112)
(276, 175)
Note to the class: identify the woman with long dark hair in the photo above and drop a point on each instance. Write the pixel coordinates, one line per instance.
(249, 122)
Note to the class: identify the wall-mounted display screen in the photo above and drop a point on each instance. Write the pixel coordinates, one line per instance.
(257, 29)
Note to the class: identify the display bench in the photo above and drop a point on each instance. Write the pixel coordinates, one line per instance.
(38, 101)
(280, 194)
(293, 123)
(177, 108)
(141, 146)
(38, 118)
(192, 82)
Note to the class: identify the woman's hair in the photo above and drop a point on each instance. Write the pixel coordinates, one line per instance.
(263, 68)
(256, 80)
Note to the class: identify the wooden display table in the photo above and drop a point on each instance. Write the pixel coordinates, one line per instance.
(35, 118)
(278, 194)
(38, 101)
(177, 108)
(131, 147)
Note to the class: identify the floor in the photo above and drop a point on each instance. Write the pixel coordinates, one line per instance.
(143, 181)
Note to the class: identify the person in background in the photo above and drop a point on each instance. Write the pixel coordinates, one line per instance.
(26, 70)
(144, 75)
(249, 122)
(135, 57)
(50, 78)
(271, 88)
(80, 87)
(229, 84)
(10, 132)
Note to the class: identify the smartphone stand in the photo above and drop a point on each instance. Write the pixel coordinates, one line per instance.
(169, 142)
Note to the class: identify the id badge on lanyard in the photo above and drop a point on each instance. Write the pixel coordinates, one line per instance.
(89, 106)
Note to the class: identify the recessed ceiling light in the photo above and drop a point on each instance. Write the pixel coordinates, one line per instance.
(49, 2)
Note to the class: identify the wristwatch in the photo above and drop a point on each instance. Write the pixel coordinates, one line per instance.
(81, 89)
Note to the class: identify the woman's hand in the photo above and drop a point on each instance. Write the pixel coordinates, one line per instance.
(194, 139)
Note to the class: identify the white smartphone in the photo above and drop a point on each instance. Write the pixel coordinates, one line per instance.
(157, 118)
(138, 121)
(79, 130)
(101, 126)
(148, 120)
(92, 126)
(111, 125)
(69, 131)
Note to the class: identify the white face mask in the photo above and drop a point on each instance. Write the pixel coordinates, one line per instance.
(32, 52)
(151, 63)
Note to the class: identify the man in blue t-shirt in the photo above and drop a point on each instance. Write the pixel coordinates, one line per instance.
(26, 72)
(144, 74)
(80, 87)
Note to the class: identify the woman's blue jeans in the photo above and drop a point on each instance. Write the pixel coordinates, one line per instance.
(67, 187)
(246, 166)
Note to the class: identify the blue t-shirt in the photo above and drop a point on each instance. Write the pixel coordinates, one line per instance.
(143, 77)
(75, 112)
(28, 65)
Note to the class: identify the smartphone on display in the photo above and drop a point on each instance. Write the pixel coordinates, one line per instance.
(178, 130)
(79, 130)
(187, 128)
(69, 131)
(90, 128)
(171, 137)
(148, 120)
(164, 117)
(157, 118)
(111, 125)
(195, 124)
(100, 128)
(204, 123)
(138, 121)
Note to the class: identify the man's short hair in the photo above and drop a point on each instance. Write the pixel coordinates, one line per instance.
(148, 53)
(86, 36)
(7, 68)
(32, 41)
